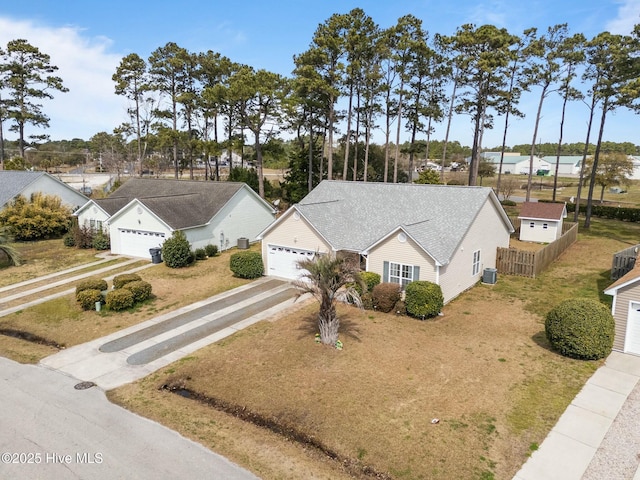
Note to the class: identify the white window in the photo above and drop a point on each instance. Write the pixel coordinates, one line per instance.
(399, 273)
(476, 263)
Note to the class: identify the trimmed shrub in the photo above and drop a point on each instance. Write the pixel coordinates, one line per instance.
(200, 254)
(120, 281)
(247, 264)
(140, 290)
(119, 299)
(69, 240)
(94, 283)
(101, 241)
(580, 328)
(211, 250)
(423, 299)
(176, 251)
(385, 296)
(88, 298)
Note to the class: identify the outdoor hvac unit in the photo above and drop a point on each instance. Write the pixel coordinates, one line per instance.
(490, 276)
(243, 243)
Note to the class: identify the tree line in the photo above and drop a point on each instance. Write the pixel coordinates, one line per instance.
(355, 78)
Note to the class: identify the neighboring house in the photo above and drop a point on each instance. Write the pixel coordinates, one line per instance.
(541, 221)
(404, 232)
(626, 311)
(20, 182)
(143, 213)
(568, 165)
(515, 163)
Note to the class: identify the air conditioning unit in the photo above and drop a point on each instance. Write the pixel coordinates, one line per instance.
(243, 243)
(490, 276)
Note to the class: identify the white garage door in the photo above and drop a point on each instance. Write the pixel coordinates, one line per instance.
(283, 261)
(136, 243)
(632, 338)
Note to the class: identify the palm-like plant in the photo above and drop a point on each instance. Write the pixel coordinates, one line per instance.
(327, 279)
(8, 250)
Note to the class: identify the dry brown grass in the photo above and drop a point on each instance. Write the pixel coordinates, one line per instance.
(43, 257)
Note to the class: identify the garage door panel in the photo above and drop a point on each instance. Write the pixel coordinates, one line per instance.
(283, 261)
(136, 243)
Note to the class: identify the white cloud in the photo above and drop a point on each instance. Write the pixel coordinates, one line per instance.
(86, 67)
(628, 17)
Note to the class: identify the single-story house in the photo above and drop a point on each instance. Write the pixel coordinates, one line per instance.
(404, 232)
(144, 212)
(514, 163)
(626, 311)
(21, 182)
(541, 221)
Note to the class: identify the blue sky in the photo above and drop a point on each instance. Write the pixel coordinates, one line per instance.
(87, 39)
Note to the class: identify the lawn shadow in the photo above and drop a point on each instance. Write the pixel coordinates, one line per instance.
(309, 327)
(541, 340)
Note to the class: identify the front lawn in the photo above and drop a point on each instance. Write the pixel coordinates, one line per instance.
(62, 323)
(469, 394)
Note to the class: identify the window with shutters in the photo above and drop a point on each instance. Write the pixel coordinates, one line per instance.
(400, 273)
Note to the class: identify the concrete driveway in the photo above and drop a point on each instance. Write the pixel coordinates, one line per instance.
(50, 430)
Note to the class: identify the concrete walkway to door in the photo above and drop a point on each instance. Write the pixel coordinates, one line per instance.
(137, 351)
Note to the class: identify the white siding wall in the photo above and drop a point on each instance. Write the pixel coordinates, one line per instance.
(487, 233)
(68, 195)
(407, 253)
(296, 233)
(130, 218)
(92, 212)
(243, 216)
(538, 233)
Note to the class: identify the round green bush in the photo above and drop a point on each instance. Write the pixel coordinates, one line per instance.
(101, 241)
(176, 251)
(246, 264)
(139, 289)
(119, 299)
(211, 250)
(369, 280)
(120, 281)
(200, 254)
(580, 328)
(91, 284)
(69, 240)
(88, 298)
(385, 296)
(423, 299)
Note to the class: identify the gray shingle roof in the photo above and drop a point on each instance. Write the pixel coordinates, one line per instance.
(179, 203)
(13, 182)
(356, 215)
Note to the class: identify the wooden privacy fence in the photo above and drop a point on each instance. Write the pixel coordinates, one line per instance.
(624, 261)
(511, 261)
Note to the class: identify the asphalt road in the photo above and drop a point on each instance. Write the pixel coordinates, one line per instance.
(50, 430)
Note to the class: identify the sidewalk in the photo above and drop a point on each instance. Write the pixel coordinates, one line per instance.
(577, 438)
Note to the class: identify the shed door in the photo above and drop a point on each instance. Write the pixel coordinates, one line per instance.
(632, 339)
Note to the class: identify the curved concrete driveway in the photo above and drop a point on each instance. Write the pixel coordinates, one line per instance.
(50, 430)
